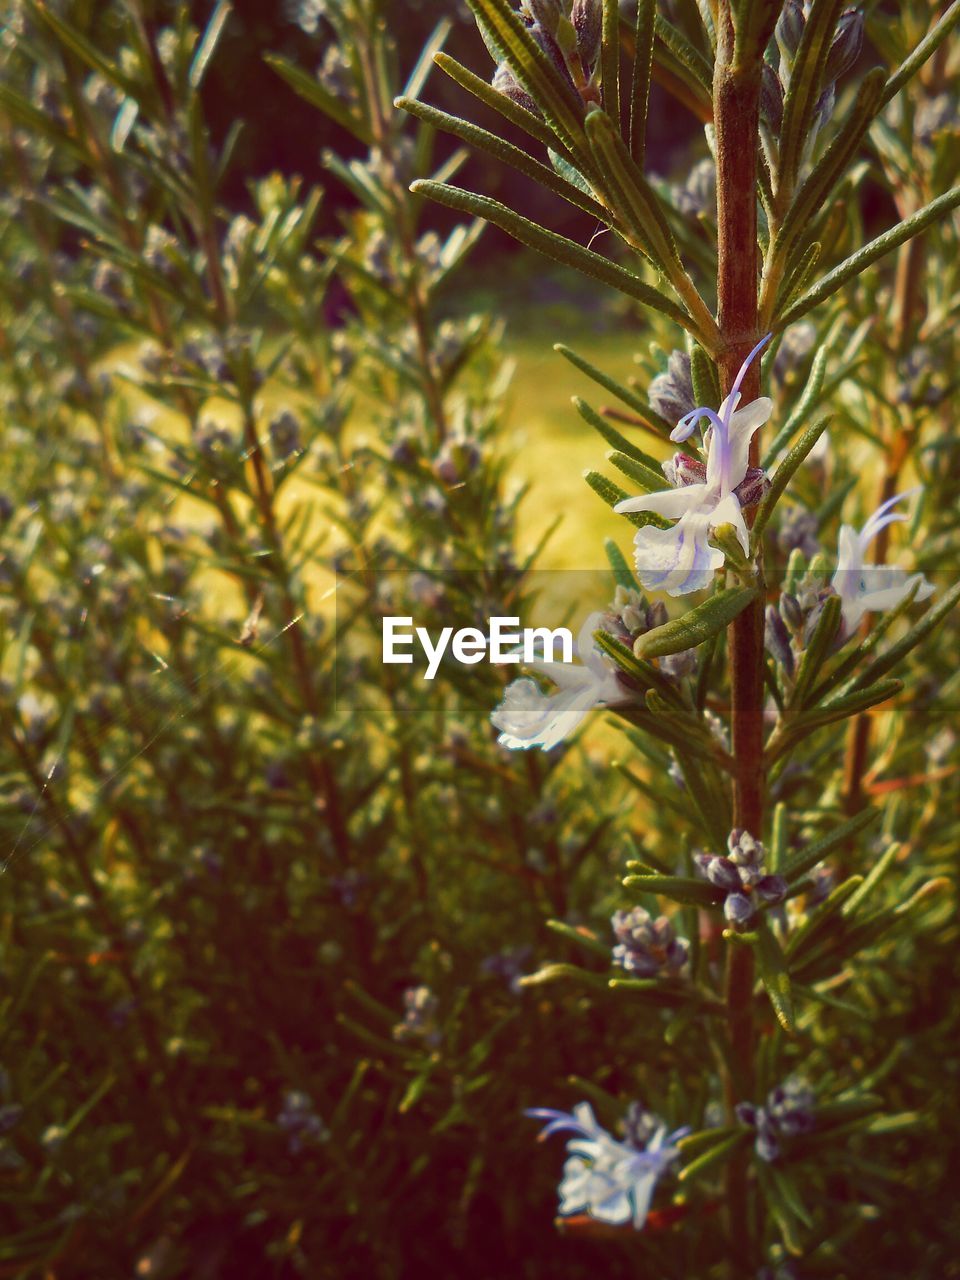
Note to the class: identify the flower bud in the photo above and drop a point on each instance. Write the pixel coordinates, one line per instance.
(738, 909)
(846, 45)
(776, 639)
(771, 98)
(789, 31)
(505, 82)
(670, 394)
(752, 487)
(744, 849)
(587, 19)
(545, 12)
(689, 470)
(771, 889)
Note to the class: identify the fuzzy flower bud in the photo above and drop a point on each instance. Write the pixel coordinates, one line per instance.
(776, 639)
(505, 82)
(647, 947)
(671, 394)
(738, 909)
(771, 98)
(745, 851)
(790, 27)
(587, 19)
(846, 45)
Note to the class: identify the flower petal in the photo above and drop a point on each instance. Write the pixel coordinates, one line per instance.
(744, 425)
(677, 560)
(727, 511)
(669, 503)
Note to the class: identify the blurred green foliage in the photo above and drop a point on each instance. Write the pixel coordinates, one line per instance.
(266, 902)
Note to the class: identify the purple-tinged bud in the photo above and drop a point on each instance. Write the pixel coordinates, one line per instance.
(546, 12)
(746, 1113)
(505, 82)
(722, 873)
(657, 615)
(771, 98)
(548, 45)
(587, 19)
(671, 394)
(846, 45)
(745, 850)
(771, 889)
(688, 470)
(791, 611)
(678, 665)
(10, 1116)
(738, 909)
(776, 639)
(766, 1145)
(824, 107)
(790, 25)
(752, 487)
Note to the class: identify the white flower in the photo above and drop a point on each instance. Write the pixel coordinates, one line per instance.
(865, 588)
(680, 559)
(527, 717)
(612, 1181)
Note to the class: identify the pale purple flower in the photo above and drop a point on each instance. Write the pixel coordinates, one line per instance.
(611, 1181)
(681, 559)
(865, 588)
(528, 717)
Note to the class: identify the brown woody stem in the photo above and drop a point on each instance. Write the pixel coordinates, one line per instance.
(736, 98)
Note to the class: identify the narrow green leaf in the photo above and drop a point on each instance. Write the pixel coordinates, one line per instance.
(498, 101)
(797, 280)
(697, 625)
(806, 82)
(928, 46)
(689, 892)
(646, 675)
(859, 261)
(804, 406)
(648, 480)
(580, 937)
(622, 573)
(801, 943)
(776, 978)
(862, 650)
(563, 973)
(77, 43)
(782, 477)
(817, 648)
(610, 60)
(208, 44)
(720, 1151)
(703, 374)
(312, 91)
(562, 108)
(622, 392)
(683, 58)
(897, 652)
(506, 152)
(851, 704)
(834, 162)
(874, 876)
(640, 87)
(655, 477)
(806, 859)
(567, 252)
(634, 198)
(612, 494)
(427, 59)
